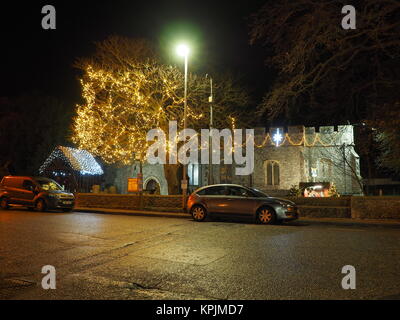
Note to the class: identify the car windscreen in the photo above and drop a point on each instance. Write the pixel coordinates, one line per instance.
(49, 185)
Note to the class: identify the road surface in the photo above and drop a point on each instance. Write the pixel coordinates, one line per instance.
(127, 257)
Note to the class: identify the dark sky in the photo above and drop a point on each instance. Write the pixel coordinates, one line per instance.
(36, 59)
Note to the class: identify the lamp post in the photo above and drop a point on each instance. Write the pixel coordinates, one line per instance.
(184, 51)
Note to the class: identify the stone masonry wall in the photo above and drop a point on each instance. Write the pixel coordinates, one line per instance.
(346, 207)
(291, 162)
(297, 158)
(150, 172)
(129, 202)
(375, 207)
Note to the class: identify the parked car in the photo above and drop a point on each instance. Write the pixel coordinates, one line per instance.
(235, 200)
(34, 193)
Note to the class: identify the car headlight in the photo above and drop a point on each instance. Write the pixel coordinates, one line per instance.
(287, 206)
(283, 204)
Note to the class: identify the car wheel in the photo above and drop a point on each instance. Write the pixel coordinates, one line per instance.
(40, 206)
(199, 213)
(4, 204)
(266, 215)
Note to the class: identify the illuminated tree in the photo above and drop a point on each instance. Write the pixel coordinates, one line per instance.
(127, 92)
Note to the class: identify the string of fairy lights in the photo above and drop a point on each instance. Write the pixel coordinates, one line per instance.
(77, 160)
(122, 107)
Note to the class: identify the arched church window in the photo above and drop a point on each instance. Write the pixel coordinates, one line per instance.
(272, 173)
(325, 168)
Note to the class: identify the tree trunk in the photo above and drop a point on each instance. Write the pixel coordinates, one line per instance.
(173, 175)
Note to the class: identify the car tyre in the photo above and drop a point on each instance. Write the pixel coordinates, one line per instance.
(4, 204)
(40, 205)
(266, 215)
(199, 213)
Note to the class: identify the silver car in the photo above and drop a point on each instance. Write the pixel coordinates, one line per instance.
(238, 201)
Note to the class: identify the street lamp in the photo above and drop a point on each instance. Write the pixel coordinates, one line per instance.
(183, 51)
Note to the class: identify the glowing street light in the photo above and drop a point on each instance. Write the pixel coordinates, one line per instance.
(183, 50)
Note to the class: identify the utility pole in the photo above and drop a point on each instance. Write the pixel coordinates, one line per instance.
(210, 100)
(344, 168)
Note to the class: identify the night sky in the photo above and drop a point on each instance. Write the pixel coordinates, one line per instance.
(42, 60)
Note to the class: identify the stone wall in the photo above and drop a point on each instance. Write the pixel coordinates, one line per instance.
(375, 207)
(322, 202)
(324, 151)
(129, 202)
(120, 177)
(323, 207)
(291, 162)
(350, 207)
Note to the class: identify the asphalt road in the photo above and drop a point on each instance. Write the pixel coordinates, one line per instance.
(125, 257)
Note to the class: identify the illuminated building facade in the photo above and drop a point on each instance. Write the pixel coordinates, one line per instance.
(284, 157)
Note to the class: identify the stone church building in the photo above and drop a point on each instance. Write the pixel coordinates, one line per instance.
(284, 157)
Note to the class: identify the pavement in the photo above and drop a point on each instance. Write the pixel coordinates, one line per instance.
(131, 257)
(390, 223)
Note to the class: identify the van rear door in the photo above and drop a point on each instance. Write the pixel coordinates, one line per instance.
(13, 186)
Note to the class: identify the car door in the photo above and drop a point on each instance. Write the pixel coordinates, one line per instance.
(215, 199)
(240, 201)
(27, 192)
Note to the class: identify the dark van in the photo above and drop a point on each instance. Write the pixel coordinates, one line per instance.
(40, 194)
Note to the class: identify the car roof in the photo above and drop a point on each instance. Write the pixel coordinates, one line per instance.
(17, 177)
(27, 177)
(221, 185)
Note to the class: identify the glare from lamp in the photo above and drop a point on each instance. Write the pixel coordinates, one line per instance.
(183, 50)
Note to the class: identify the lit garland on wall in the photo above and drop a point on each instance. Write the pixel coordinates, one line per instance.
(278, 140)
(287, 139)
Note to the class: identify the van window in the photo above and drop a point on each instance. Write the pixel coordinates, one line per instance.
(49, 185)
(13, 182)
(28, 185)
